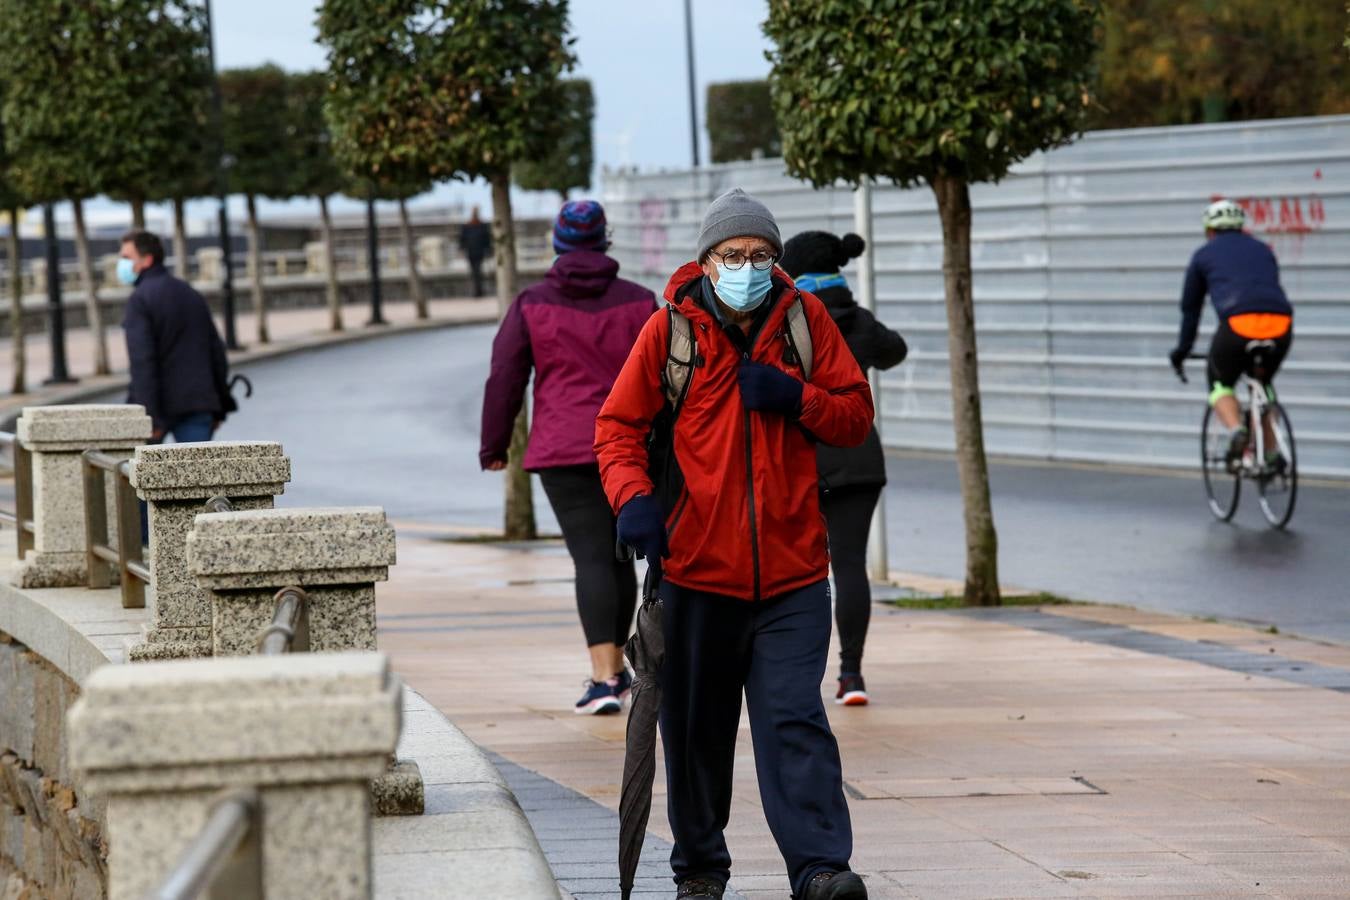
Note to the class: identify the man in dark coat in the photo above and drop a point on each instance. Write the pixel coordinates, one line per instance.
(178, 368)
(475, 239)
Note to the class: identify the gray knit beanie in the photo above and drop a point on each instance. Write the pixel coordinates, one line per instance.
(737, 214)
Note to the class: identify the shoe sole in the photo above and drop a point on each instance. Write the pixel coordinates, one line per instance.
(852, 698)
(602, 707)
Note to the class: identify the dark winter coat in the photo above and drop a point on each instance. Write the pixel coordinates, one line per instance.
(475, 239)
(874, 346)
(178, 364)
(747, 523)
(574, 329)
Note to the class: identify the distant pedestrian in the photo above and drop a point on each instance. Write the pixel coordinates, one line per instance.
(851, 478)
(574, 329)
(475, 240)
(741, 543)
(179, 372)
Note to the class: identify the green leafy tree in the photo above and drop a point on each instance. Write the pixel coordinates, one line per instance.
(1220, 60)
(62, 123)
(315, 170)
(11, 202)
(258, 142)
(741, 121)
(943, 93)
(437, 89)
(570, 158)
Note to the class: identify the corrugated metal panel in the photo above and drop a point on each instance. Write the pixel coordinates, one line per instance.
(1078, 258)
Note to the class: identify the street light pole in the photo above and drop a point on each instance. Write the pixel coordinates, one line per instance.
(222, 190)
(373, 255)
(693, 90)
(56, 316)
(878, 561)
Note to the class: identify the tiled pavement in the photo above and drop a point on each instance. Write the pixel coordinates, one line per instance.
(1070, 752)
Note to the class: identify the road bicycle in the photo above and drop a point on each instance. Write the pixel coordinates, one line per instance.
(1269, 458)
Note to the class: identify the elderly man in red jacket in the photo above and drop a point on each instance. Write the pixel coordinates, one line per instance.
(742, 546)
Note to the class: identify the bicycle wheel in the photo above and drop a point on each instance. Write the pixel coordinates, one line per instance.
(1278, 479)
(1223, 482)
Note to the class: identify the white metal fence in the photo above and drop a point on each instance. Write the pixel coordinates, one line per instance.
(1079, 256)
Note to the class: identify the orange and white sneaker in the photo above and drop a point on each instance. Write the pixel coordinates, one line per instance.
(852, 691)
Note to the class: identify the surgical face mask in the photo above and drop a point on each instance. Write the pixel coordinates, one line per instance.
(126, 271)
(743, 289)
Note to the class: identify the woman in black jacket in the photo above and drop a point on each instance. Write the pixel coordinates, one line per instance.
(851, 478)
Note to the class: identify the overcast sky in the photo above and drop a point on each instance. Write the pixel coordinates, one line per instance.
(633, 53)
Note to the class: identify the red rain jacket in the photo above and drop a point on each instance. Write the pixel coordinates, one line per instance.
(748, 521)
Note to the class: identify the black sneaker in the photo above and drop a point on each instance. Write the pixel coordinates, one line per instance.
(852, 691)
(835, 886)
(601, 698)
(700, 887)
(625, 685)
(1237, 446)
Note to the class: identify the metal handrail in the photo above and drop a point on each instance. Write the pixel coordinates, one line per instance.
(225, 857)
(289, 630)
(22, 516)
(100, 556)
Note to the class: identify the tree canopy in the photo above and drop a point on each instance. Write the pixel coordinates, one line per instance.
(568, 163)
(440, 89)
(314, 169)
(259, 133)
(904, 90)
(1221, 61)
(741, 121)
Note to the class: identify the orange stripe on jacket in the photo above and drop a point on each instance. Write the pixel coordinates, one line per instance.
(1260, 326)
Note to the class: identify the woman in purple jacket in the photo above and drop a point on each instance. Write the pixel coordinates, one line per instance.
(575, 329)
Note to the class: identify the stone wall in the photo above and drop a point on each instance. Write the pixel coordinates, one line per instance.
(51, 843)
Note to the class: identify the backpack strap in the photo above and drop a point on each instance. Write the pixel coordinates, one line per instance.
(798, 336)
(681, 351)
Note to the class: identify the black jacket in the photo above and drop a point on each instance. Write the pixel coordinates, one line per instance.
(178, 364)
(475, 239)
(874, 346)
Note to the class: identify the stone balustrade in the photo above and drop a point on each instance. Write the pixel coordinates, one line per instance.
(56, 436)
(160, 741)
(176, 480)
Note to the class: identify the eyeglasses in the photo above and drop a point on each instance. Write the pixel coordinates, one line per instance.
(735, 259)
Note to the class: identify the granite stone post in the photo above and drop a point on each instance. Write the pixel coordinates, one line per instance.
(335, 554)
(176, 480)
(56, 436)
(162, 741)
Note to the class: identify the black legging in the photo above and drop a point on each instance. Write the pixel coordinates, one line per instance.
(848, 517)
(606, 588)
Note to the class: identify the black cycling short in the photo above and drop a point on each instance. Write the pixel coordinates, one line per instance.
(1232, 355)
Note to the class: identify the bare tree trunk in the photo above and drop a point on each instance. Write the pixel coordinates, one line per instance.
(90, 291)
(138, 214)
(19, 384)
(953, 200)
(330, 266)
(180, 241)
(419, 294)
(256, 264)
(519, 521)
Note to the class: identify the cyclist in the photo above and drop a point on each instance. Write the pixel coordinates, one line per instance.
(1242, 278)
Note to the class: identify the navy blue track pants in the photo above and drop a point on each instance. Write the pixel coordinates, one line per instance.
(774, 651)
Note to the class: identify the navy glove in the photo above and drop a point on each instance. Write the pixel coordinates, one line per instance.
(642, 526)
(767, 389)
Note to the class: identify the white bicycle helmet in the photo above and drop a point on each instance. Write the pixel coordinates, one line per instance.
(1224, 215)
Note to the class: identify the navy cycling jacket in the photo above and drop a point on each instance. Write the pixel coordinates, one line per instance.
(1240, 275)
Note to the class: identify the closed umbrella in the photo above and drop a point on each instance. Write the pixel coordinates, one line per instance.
(646, 650)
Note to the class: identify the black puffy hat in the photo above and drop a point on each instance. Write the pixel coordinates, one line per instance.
(820, 252)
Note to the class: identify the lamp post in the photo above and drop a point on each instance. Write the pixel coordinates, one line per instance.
(222, 190)
(693, 89)
(878, 562)
(56, 315)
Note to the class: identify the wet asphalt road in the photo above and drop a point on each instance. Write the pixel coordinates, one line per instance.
(394, 422)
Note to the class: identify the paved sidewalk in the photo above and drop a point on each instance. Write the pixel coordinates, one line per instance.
(291, 330)
(1063, 752)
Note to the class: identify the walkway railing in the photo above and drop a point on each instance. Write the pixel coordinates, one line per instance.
(128, 556)
(22, 516)
(224, 861)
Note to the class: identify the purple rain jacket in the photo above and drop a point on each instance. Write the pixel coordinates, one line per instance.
(575, 328)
